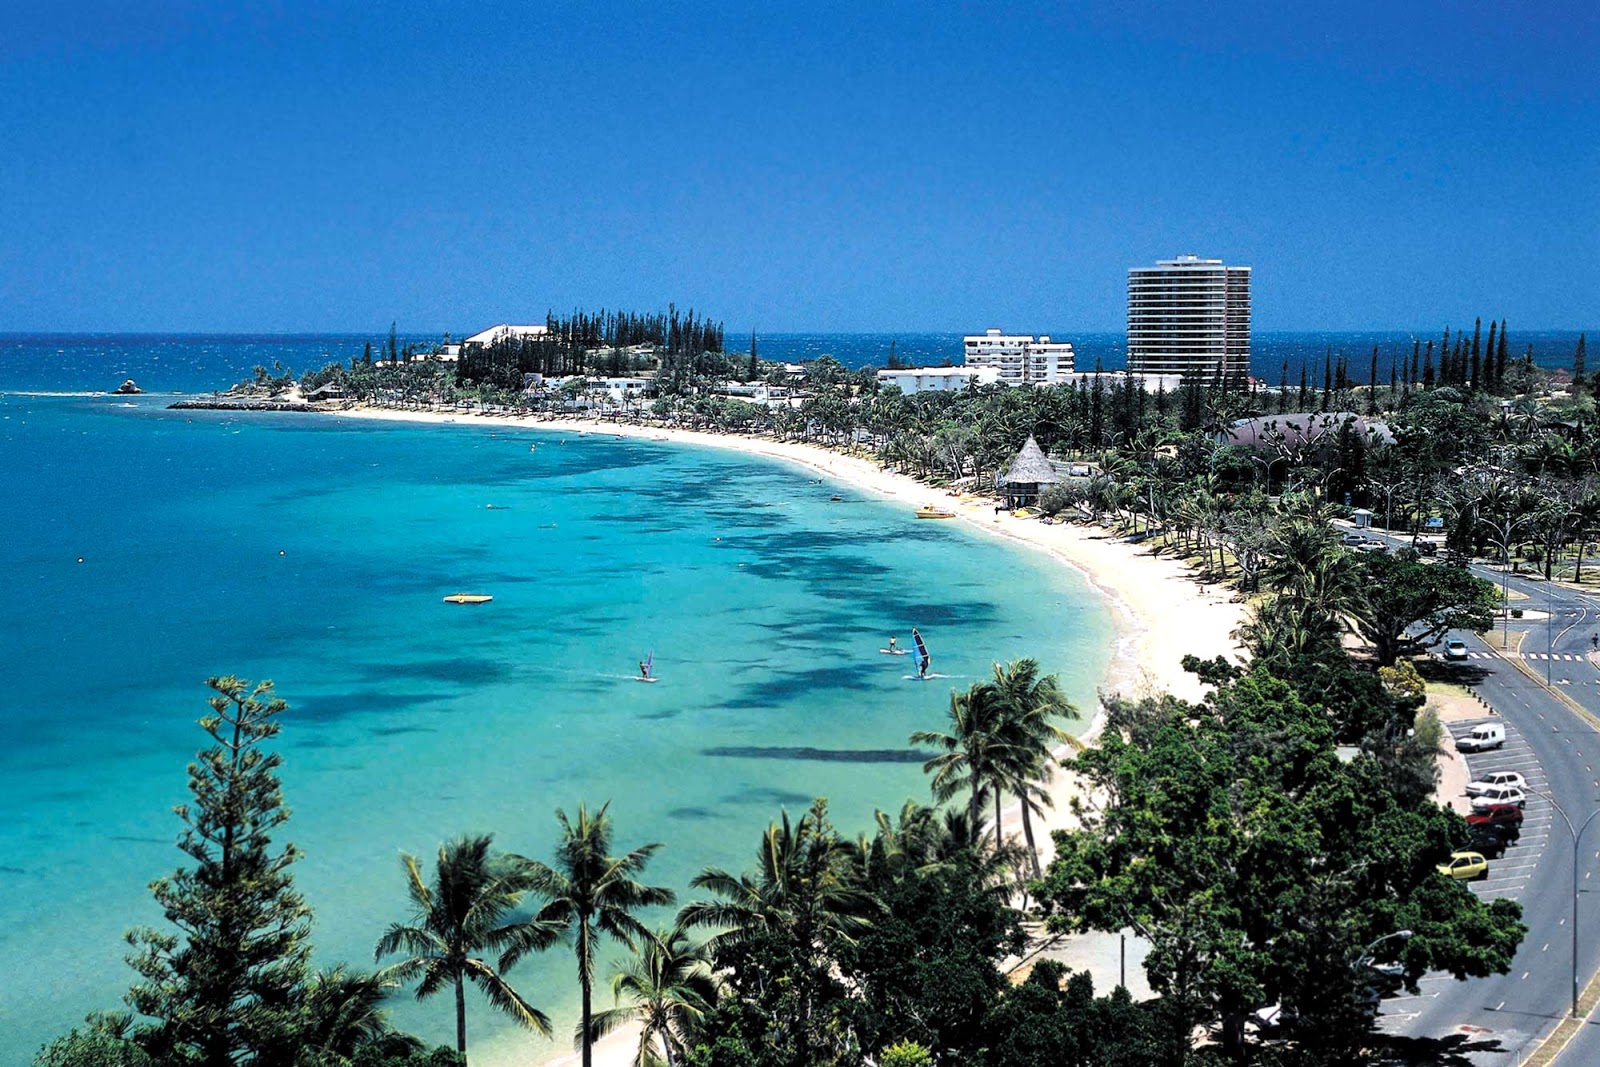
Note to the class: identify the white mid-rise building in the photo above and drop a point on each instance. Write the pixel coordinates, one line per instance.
(937, 379)
(1189, 316)
(1019, 358)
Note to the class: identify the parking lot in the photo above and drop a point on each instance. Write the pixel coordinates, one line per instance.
(1509, 874)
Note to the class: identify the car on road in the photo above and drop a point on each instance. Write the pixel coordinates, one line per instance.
(1482, 737)
(1494, 778)
(1491, 841)
(1499, 794)
(1351, 540)
(1467, 866)
(1508, 816)
(1427, 548)
(1455, 648)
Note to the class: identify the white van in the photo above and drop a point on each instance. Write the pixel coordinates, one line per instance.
(1483, 737)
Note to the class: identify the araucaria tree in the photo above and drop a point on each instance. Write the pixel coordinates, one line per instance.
(222, 990)
(593, 893)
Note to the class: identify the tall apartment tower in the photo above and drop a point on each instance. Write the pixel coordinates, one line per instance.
(1189, 316)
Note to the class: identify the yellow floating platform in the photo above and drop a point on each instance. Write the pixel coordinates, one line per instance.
(468, 598)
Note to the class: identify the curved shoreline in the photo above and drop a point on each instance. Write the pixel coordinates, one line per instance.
(1158, 611)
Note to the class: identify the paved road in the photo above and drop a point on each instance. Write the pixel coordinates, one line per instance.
(1496, 1020)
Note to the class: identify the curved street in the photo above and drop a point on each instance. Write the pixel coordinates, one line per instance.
(1501, 1019)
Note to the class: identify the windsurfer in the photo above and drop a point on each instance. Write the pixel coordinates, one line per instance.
(922, 668)
(644, 669)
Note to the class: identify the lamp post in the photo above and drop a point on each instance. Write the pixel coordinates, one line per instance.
(1365, 959)
(1577, 838)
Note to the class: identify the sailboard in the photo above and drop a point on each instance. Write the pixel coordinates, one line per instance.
(923, 659)
(649, 665)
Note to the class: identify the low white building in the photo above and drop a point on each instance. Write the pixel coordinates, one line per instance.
(1019, 358)
(504, 332)
(938, 379)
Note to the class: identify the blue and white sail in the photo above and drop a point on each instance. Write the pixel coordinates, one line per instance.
(922, 650)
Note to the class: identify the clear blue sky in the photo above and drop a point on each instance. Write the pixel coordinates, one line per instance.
(865, 166)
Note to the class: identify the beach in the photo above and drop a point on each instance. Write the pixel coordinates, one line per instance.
(1159, 610)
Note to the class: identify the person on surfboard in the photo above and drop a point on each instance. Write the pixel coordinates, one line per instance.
(891, 644)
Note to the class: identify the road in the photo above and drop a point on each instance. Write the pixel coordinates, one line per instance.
(1500, 1019)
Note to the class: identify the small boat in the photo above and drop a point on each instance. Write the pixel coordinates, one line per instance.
(468, 598)
(928, 511)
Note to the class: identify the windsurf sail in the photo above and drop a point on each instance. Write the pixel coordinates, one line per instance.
(650, 663)
(922, 650)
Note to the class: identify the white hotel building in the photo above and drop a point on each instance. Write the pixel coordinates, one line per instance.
(1189, 316)
(1019, 359)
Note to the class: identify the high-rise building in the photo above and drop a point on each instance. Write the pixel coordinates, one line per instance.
(1189, 316)
(1019, 358)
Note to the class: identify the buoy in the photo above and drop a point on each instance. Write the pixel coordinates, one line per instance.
(80, 559)
(280, 551)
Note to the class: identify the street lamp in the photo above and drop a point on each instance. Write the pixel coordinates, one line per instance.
(1577, 837)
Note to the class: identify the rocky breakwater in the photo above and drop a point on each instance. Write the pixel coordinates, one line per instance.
(240, 403)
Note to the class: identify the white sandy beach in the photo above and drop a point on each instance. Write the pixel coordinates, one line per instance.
(1160, 612)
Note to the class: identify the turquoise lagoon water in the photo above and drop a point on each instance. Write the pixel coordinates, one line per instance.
(315, 551)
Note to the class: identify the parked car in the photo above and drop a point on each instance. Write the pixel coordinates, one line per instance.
(1455, 648)
(1482, 737)
(1491, 841)
(1508, 816)
(1351, 540)
(1467, 866)
(1494, 778)
(1499, 794)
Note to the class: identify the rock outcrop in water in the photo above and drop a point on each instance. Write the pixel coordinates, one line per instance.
(127, 388)
(233, 403)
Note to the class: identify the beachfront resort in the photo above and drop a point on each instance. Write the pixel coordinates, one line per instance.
(1283, 568)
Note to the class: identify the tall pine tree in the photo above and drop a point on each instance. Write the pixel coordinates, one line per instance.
(222, 990)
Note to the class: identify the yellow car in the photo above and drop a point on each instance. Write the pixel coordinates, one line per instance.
(1465, 865)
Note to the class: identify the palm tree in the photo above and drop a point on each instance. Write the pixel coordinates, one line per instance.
(805, 897)
(459, 915)
(591, 892)
(669, 988)
(976, 750)
(1028, 703)
(801, 888)
(343, 1015)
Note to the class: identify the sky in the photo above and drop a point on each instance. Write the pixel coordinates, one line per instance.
(337, 166)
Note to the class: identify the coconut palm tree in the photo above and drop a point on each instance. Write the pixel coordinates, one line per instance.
(461, 914)
(800, 889)
(592, 893)
(342, 1015)
(1029, 702)
(976, 750)
(668, 988)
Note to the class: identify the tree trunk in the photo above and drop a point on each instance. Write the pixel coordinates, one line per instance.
(461, 1017)
(588, 1050)
(1027, 834)
(999, 797)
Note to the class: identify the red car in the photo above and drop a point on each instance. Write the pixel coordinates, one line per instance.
(1496, 815)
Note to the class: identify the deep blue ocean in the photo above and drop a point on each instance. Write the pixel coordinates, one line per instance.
(146, 549)
(198, 363)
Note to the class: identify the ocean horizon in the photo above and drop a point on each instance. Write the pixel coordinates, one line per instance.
(152, 548)
(203, 362)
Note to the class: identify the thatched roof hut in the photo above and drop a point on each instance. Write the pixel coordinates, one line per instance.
(1027, 475)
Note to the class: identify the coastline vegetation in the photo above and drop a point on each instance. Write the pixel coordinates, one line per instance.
(1274, 843)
